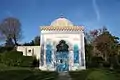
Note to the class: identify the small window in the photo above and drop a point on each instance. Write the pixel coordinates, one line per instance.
(29, 50)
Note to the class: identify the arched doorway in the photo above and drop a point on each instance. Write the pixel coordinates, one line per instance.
(62, 56)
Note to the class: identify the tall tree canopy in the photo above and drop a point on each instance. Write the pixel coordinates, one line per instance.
(107, 44)
(10, 28)
(102, 44)
(34, 42)
(37, 41)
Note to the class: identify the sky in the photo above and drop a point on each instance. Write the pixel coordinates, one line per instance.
(92, 14)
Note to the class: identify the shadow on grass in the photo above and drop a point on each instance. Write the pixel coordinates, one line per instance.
(27, 75)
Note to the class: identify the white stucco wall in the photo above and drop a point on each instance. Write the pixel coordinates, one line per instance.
(71, 38)
(30, 50)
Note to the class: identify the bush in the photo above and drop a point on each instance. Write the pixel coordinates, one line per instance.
(0, 58)
(4, 49)
(35, 62)
(27, 61)
(106, 64)
(14, 58)
(95, 62)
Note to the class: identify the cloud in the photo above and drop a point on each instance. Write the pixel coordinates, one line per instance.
(95, 6)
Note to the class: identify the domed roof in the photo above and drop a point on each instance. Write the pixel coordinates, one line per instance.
(61, 22)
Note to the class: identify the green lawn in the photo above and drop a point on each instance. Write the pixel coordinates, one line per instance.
(27, 75)
(95, 74)
(18, 73)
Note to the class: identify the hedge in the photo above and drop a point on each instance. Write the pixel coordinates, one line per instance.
(14, 58)
(27, 61)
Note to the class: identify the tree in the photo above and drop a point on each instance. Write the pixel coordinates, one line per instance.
(10, 28)
(34, 42)
(104, 44)
(107, 44)
(37, 41)
(29, 44)
(93, 34)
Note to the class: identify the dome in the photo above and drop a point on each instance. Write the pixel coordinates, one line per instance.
(61, 22)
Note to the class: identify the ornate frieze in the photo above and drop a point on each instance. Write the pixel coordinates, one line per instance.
(63, 28)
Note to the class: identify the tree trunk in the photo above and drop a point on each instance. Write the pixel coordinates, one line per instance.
(15, 40)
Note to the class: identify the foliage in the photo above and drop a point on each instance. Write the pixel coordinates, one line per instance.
(27, 61)
(104, 45)
(35, 62)
(9, 43)
(10, 28)
(6, 49)
(37, 41)
(96, 62)
(29, 44)
(107, 44)
(34, 42)
(3, 66)
(14, 58)
(92, 35)
(88, 54)
(11, 58)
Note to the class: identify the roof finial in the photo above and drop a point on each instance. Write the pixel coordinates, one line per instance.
(61, 16)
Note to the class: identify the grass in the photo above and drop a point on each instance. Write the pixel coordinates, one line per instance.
(26, 75)
(18, 73)
(95, 74)
(80, 75)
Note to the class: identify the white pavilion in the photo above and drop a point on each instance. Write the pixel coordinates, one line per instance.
(61, 47)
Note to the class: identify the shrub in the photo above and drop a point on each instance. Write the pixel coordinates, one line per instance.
(0, 58)
(35, 62)
(4, 49)
(12, 58)
(95, 62)
(27, 61)
(106, 64)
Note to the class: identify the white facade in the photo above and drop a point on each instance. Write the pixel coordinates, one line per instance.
(62, 29)
(30, 50)
(49, 54)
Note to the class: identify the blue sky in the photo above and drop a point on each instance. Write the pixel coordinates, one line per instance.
(93, 14)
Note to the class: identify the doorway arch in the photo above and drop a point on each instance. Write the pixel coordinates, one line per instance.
(62, 56)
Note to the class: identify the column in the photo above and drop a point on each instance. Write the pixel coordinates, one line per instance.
(71, 60)
(82, 51)
(45, 66)
(53, 59)
(80, 58)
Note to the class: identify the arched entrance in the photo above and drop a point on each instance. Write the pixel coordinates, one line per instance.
(62, 58)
